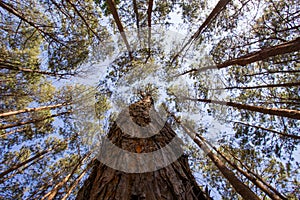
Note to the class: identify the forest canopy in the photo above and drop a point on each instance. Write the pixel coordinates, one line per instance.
(224, 74)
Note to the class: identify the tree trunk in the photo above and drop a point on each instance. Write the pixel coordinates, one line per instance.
(6, 126)
(17, 166)
(13, 11)
(286, 47)
(238, 185)
(293, 114)
(269, 130)
(259, 86)
(75, 183)
(113, 9)
(84, 21)
(51, 194)
(257, 182)
(174, 181)
(214, 13)
(10, 66)
(137, 22)
(32, 109)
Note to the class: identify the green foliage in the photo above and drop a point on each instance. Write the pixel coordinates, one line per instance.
(54, 37)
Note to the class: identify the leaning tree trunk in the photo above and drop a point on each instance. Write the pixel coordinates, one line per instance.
(174, 181)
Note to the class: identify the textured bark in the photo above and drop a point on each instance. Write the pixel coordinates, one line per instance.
(238, 185)
(172, 182)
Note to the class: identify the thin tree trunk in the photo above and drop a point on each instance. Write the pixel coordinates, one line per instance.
(286, 47)
(257, 176)
(75, 183)
(84, 21)
(214, 13)
(149, 18)
(8, 66)
(10, 113)
(137, 22)
(259, 86)
(239, 186)
(12, 132)
(273, 72)
(51, 194)
(6, 126)
(17, 166)
(269, 130)
(13, 11)
(44, 187)
(116, 17)
(293, 114)
(249, 176)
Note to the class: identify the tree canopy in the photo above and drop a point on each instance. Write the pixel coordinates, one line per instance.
(225, 75)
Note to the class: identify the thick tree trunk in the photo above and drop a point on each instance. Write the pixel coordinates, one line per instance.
(174, 181)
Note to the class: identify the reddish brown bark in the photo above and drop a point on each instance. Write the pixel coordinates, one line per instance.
(239, 186)
(172, 182)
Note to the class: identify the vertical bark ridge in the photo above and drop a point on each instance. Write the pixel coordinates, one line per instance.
(172, 182)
